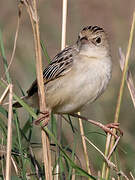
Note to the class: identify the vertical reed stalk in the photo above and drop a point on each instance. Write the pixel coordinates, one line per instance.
(116, 118)
(9, 135)
(64, 24)
(84, 145)
(41, 92)
(63, 44)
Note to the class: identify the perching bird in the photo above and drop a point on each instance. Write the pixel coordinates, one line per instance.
(77, 75)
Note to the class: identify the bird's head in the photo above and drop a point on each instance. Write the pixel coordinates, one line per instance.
(93, 42)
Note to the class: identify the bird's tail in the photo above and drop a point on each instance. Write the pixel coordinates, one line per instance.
(17, 104)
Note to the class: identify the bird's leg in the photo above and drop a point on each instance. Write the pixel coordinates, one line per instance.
(43, 117)
(106, 128)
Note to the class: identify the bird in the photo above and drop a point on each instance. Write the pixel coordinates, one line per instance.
(77, 75)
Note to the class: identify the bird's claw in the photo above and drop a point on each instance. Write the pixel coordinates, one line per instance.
(44, 118)
(107, 128)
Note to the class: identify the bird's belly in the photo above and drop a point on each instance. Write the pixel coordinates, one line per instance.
(70, 93)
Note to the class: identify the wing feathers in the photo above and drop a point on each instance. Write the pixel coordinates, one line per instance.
(60, 65)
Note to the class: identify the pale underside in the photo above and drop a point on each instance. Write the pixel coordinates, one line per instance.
(79, 85)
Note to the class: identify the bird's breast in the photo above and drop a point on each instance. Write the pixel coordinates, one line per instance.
(83, 84)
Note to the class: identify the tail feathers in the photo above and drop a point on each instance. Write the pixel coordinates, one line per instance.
(17, 104)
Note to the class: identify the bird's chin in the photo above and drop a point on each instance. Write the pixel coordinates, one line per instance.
(94, 52)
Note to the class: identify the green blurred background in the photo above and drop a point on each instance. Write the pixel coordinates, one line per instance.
(116, 17)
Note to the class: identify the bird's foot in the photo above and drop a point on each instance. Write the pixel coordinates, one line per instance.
(115, 126)
(107, 128)
(44, 118)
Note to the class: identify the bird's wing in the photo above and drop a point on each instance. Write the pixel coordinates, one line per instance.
(59, 66)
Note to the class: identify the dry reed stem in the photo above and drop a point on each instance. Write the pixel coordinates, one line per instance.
(63, 44)
(132, 176)
(109, 163)
(116, 118)
(84, 145)
(35, 164)
(129, 78)
(59, 131)
(4, 94)
(41, 93)
(108, 139)
(16, 37)
(64, 23)
(73, 172)
(9, 135)
(114, 147)
(32, 10)
(12, 56)
(15, 165)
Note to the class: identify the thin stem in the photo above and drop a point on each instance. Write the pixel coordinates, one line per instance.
(16, 37)
(84, 145)
(64, 23)
(4, 94)
(41, 93)
(9, 136)
(63, 44)
(108, 139)
(32, 10)
(129, 79)
(124, 72)
(116, 118)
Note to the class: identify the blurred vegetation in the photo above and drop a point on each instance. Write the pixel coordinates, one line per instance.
(115, 17)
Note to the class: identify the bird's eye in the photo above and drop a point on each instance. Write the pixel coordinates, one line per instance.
(98, 40)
